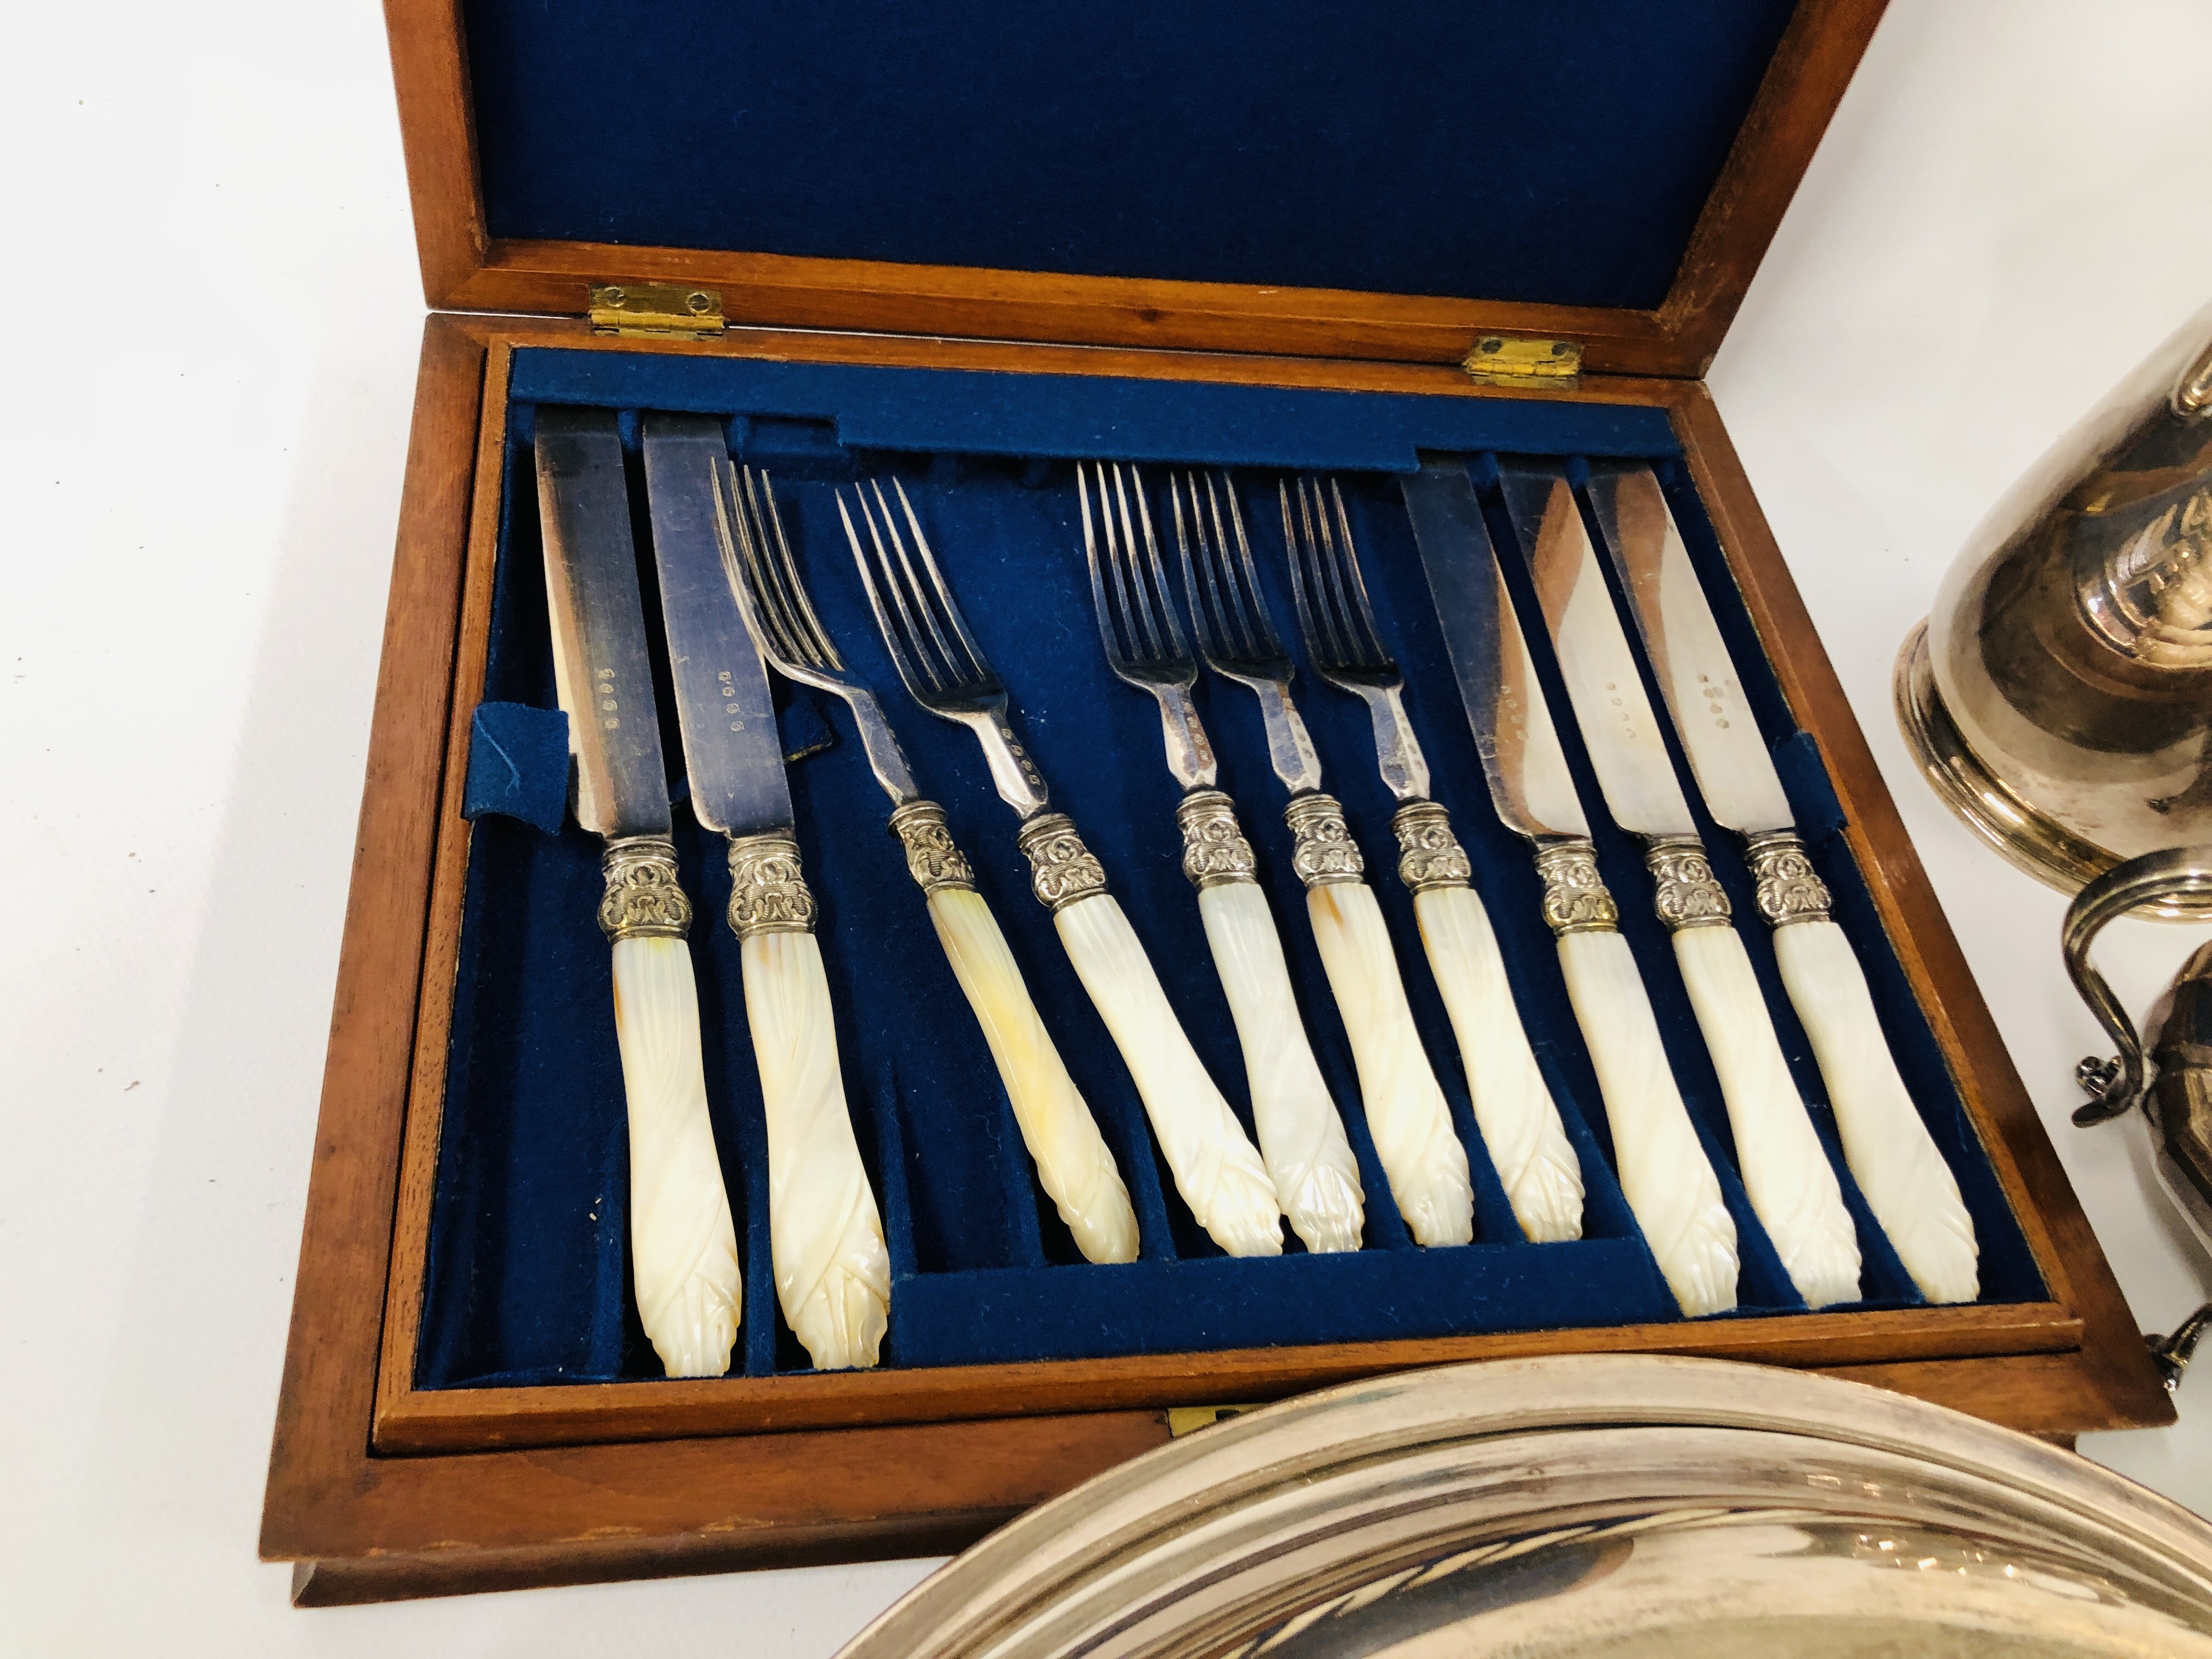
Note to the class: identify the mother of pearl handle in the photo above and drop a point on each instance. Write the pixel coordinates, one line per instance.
(1786, 1173)
(1908, 1186)
(1521, 1127)
(832, 1270)
(683, 1246)
(1792, 1188)
(1074, 1165)
(1664, 1174)
(1301, 1136)
(1215, 1168)
(1407, 1114)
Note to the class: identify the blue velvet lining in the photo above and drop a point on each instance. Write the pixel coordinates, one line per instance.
(1486, 150)
(527, 1271)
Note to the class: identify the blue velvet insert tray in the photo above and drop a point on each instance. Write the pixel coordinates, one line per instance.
(527, 1278)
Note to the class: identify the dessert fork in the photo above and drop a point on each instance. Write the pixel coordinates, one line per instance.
(1520, 1122)
(1301, 1136)
(1074, 1165)
(1215, 1168)
(1421, 1153)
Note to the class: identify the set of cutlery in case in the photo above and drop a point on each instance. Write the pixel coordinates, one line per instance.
(1538, 1155)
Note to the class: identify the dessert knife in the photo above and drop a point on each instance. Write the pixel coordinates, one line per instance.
(1786, 1173)
(1216, 1168)
(1301, 1137)
(832, 1271)
(1908, 1186)
(683, 1246)
(1074, 1165)
(1664, 1173)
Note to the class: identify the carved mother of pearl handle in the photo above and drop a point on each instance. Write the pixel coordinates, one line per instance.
(1908, 1186)
(1074, 1165)
(832, 1271)
(1301, 1137)
(1664, 1174)
(1521, 1126)
(1215, 1168)
(1407, 1114)
(683, 1246)
(1786, 1173)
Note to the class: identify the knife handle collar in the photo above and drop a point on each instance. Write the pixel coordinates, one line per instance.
(1790, 888)
(643, 899)
(767, 891)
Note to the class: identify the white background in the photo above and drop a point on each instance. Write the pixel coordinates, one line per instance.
(208, 364)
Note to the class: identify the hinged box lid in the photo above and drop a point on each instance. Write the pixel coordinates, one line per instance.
(1405, 181)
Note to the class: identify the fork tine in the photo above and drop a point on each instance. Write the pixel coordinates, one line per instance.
(912, 599)
(1137, 617)
(1177, 644)
(1201, 603)
(1264, 638)
(1099, 603)
(978, 664)
(823, 648)
(1322, 649)
(1363, 611)
(771, 608)
(904, 649)
(735, 539)
(1335, 607)
(1125, 620)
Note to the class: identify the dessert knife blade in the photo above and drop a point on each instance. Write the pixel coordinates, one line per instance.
(1696, 676)
(601, 670)
(1604, 685)
(732, 748)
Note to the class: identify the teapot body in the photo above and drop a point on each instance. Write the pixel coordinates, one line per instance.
(2060, 695)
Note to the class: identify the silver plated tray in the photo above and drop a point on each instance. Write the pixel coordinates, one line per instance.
(1616, 1505)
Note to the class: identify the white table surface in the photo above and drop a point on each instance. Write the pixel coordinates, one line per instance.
(201, 480)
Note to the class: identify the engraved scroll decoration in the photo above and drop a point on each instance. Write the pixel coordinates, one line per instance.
(1062, 870)
(1688, 895)
(1324, 851)
(767, 893)
(1429, 854)
(933, 858)
(1214, 850)
(643, 899)
(1790, 888)
(1576, 900)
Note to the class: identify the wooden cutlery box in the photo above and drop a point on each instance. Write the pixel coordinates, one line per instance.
(965, 247)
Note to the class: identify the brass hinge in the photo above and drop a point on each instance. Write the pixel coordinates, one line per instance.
(1188, 1419)
(1501, 359)
(662, 310)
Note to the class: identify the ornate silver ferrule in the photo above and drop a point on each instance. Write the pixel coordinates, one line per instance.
(767, 891)
(642, 900)
(933, 858)
(1790, 888)
(1576, 900)
(1429, 854)
(1214, 850)
(1062, 870)
(1323, 848)
(1685, 894)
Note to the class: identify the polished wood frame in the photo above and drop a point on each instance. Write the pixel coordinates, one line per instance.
(465, 269)
(378, 1489)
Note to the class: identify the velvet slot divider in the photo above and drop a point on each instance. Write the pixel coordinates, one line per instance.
(527, 1275)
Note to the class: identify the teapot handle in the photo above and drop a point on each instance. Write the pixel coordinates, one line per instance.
(2116, 1084)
